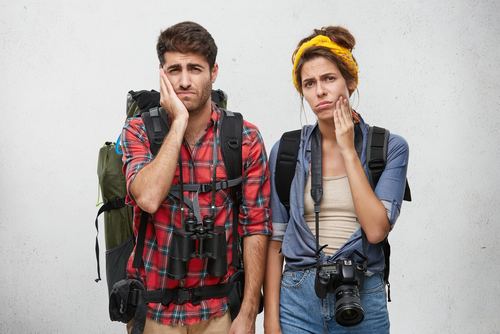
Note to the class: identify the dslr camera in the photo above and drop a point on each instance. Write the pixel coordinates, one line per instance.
(344, 278)
(198, 241)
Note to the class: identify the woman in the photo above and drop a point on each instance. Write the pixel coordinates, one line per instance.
(326, 74)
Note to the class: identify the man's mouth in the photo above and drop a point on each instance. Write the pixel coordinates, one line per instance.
(185, 93)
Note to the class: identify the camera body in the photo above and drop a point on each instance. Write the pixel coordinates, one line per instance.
(344, 278)
(198, 241)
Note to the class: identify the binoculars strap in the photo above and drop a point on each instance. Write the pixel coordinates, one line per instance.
(192, 204)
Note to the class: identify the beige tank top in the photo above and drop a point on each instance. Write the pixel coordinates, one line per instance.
(337, 219)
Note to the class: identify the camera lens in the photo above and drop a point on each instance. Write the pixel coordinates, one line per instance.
(348, 310)
(349, 315)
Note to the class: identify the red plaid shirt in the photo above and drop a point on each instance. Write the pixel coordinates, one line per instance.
(254, 215)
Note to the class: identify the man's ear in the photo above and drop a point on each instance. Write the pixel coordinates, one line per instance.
(215, 72)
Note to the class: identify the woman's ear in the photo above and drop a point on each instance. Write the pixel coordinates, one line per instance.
(351, 86)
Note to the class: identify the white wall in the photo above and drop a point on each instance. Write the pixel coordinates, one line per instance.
(429, 71)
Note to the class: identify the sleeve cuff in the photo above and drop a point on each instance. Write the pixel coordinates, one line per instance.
(392, 210)
(278, 231)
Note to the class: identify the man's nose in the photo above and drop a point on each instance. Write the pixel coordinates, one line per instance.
(185, 81)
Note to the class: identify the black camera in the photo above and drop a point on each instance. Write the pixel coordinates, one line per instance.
(344, 278)
(198, 241)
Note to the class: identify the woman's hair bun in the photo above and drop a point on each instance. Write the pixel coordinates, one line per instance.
(338, 35)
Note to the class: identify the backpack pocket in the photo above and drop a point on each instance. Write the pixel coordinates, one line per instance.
(116, 261)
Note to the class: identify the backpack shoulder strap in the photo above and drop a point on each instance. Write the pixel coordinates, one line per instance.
(376, 157)
(376, 153)
(231, 134)
(231, 139)
(156, 123)
(286, 162)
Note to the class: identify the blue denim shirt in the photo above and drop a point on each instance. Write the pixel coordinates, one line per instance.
(299, 243)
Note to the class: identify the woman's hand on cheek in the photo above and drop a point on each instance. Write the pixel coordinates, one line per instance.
(344, 126)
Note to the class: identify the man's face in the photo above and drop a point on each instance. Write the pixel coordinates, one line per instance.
(191, 78)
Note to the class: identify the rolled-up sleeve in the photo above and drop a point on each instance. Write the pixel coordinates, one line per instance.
(255, 215)
(136, 151)
(391, 186)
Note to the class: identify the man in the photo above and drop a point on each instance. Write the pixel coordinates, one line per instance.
(187, 54)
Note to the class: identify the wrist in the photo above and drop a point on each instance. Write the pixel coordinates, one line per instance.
(349, 155)
(180, 122)
(248, 312)
(273, 327)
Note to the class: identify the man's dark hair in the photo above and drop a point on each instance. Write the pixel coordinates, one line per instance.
(186, 37)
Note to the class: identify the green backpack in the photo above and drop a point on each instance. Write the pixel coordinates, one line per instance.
(118, 217)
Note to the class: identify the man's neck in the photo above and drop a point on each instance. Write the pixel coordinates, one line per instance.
(197, 125)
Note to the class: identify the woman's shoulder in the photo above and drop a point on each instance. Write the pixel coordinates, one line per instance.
(397, 146)
(398, 141)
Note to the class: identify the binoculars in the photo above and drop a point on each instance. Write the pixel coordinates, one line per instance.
(198, 241)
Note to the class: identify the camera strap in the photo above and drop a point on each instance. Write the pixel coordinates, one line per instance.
(316, 184)
(317, 189)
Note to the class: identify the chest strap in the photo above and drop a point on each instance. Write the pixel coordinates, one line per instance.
(207, 187)
(200, 189)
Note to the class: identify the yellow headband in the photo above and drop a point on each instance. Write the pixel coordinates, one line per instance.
(326, 42)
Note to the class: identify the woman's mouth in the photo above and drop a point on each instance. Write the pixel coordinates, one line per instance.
(323, 104)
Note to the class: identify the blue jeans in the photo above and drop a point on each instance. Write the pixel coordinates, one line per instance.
(301, 311)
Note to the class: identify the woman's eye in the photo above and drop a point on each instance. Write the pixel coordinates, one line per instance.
(330, 78)
(308, 84)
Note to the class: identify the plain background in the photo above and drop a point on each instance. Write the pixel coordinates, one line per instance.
(429, 71)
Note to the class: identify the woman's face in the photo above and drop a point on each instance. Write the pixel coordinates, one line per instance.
(322, 86)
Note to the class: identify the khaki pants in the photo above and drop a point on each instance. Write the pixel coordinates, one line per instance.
(214, 325)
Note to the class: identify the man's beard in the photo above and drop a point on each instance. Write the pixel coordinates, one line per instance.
(199, 101)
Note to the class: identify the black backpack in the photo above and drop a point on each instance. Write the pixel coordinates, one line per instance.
(376, 158)
(118, 217)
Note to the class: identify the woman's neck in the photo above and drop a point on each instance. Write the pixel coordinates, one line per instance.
(327, 130)
(332, 160)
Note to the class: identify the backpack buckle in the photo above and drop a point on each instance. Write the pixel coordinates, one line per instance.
(205, 188)
(183, 296)
(116, 203)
